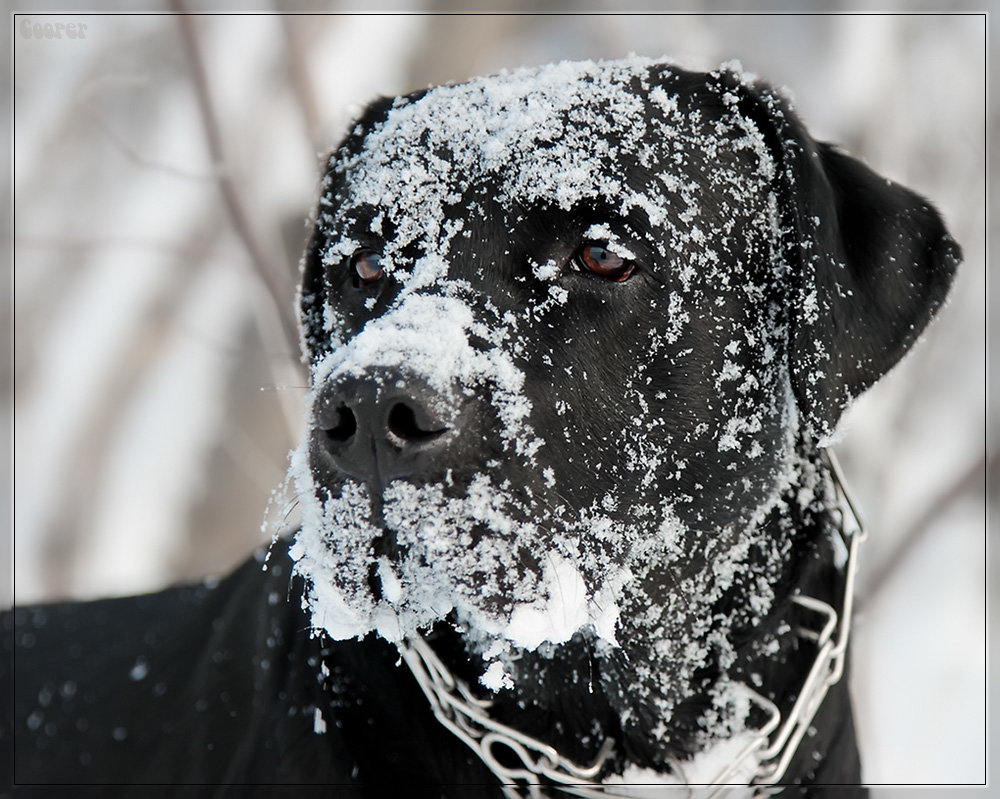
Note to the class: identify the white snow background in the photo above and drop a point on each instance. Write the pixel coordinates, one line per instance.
(155, 398)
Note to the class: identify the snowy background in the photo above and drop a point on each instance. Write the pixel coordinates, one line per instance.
(162, 174)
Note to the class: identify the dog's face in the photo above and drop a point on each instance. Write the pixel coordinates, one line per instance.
(565, 331)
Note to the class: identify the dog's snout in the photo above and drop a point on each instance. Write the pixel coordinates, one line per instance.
(382, 427)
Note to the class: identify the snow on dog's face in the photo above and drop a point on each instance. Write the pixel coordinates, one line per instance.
(547, 345)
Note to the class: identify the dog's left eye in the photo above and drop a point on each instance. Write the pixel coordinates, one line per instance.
(596, 257)
(366, 268)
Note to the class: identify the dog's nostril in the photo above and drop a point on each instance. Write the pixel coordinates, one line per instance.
(402, 423)
(346, 425)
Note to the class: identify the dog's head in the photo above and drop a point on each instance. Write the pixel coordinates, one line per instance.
(567, 329)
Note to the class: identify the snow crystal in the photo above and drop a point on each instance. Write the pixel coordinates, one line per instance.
(391, 588)
(139, 671)
(319, 723)
(550, 270)
(495, 678)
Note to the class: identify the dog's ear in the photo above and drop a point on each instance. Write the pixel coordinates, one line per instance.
(873, 263)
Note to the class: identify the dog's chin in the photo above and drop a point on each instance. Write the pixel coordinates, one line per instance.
(508, 564)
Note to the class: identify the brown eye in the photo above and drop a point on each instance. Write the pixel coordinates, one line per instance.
(597, 258)
(366, 268)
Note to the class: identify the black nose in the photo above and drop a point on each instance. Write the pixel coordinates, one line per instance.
(382, 426)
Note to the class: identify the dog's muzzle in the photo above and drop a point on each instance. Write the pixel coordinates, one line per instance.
(384, 425)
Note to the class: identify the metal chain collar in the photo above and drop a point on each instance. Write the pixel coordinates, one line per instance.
(766, 756)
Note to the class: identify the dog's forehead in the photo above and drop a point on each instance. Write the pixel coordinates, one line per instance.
(542, 135)
(556, 136)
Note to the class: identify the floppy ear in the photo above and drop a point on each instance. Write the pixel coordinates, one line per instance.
(873, 262)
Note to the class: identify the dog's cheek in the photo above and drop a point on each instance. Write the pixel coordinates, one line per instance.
(714, 432)
(582, 409)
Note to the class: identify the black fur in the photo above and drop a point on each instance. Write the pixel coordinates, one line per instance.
(223, 687)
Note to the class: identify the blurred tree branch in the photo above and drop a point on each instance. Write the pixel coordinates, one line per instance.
(138, 159)
(275, 280)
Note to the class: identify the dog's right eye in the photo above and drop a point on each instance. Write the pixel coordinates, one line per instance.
(366, 268)
(599, 258)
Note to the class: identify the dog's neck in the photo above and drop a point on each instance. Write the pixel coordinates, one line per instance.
(661, 701)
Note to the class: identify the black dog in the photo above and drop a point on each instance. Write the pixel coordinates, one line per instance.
(577, 338)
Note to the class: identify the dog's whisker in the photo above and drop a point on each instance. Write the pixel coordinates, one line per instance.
(289, 509)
